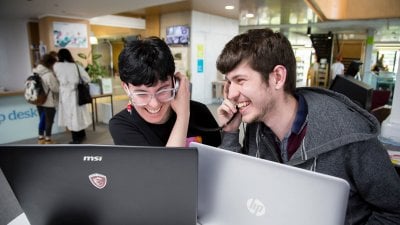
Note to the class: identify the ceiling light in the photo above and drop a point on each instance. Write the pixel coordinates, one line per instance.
(249, 15)
(229, 7)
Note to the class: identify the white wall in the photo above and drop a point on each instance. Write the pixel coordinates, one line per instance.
(211, 32)
(15, 65)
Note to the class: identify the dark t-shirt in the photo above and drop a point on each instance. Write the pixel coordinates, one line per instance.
(130, 129)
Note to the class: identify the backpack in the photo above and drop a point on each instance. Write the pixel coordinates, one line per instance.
(34, 90)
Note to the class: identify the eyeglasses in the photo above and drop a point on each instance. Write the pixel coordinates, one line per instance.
(143, 98)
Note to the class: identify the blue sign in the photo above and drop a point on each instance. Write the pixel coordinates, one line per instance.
(19, 120)
(200, 65)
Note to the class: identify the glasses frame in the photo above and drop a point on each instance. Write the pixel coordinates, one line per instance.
(133, 94)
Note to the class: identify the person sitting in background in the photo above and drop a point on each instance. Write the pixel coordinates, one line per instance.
(310, 128)
(47, 110)
(337, 67)
(159, 112)
(353, 69)
(71, 115)
(379, 65)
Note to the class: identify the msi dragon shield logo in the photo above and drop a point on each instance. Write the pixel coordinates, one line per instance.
(98, 180)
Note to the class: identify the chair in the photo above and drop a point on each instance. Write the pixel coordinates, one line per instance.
(379, 98)
(381, 113)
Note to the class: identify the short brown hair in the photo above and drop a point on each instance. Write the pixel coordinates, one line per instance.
(263, 49)
(48, 60)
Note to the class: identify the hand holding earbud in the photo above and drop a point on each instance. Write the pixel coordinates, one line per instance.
(182, 96)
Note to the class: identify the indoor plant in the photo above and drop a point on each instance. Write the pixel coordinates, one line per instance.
(95, 71)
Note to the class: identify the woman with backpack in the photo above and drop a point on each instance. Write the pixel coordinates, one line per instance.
(47, 110)
(71, 115)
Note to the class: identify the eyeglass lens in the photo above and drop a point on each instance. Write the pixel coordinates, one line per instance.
(143, 98)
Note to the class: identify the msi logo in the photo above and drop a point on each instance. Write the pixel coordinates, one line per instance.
(92, 158)
(98, 180)
(255, 207)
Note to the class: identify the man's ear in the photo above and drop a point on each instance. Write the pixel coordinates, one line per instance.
(125, 86)
(278, 77)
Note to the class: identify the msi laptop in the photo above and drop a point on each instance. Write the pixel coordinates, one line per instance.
(11, 212)
(103, 185)
(236, 189)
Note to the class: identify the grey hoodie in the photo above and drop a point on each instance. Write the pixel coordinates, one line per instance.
(341, 140)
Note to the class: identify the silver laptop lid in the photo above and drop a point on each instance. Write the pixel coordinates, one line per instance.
(236, 189)
(103, 185)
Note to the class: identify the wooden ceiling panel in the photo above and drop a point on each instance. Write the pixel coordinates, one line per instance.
(355, 9)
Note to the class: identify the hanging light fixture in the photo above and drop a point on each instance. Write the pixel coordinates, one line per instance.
(309, 31)
(330, 35)
(309, 28)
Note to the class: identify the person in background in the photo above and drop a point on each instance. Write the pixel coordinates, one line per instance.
(354, 69)
(379, 65)
(310, 128)
(337, 67)
(76, 118)
(159, 112)
(47, 110)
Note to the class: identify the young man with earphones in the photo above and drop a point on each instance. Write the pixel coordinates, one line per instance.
(159, 112)
(310, 128)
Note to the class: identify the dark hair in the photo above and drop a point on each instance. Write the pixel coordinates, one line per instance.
(263, 49)
(64, 55)
(53, 53)
(353, 68)
(48, 61)
(146, 62)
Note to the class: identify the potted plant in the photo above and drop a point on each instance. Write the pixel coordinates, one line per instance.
(95, 71)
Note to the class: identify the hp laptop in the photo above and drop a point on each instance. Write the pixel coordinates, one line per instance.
(236, 189)
(103, 185)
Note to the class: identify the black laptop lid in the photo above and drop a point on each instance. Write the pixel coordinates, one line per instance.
(103, 185)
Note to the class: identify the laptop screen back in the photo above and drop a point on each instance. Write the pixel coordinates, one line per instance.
(103, 185)
(239, 189)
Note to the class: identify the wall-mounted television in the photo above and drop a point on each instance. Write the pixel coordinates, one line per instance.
(178, 35)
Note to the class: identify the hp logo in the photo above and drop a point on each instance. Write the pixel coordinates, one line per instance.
(255, 207)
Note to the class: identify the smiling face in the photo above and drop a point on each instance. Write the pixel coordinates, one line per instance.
(155, 112)
(248, 90)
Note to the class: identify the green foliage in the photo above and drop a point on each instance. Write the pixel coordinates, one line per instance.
(95, 70)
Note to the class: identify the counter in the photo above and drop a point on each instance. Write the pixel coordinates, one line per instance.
(11, 93)
(18, 119)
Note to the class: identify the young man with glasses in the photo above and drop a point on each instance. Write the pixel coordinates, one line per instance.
(310, 128)
(160, 112)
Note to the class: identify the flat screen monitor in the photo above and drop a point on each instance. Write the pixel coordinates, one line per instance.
(178, 35)
(358, 91)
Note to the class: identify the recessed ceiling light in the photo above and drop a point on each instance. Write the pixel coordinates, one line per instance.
(229, 7)
(249, 15)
